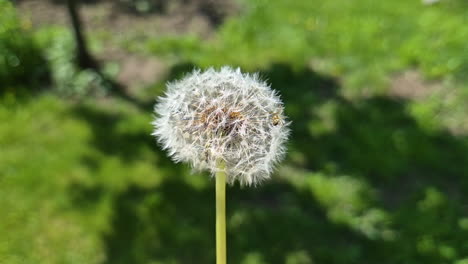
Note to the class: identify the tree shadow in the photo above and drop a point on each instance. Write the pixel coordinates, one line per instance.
(378, 141)
(174, 223)
(374, 137)
(108, 139)
(417, 174)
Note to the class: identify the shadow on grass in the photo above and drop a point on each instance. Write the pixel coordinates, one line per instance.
(417, 174)
(106, 137)
(174, 223)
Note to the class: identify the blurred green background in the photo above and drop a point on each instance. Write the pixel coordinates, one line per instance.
(377, 167)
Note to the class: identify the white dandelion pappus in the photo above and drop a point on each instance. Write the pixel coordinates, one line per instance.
(223, 116)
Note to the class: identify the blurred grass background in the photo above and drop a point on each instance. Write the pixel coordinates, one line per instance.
(377, 168)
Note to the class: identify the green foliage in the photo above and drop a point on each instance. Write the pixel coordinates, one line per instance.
(28, 59)
(347, 202)
(21, 61)
(179, 48)
(68, 79)
(55, 144)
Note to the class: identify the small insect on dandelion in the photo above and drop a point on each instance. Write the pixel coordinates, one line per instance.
(223, 116)
(276, 119)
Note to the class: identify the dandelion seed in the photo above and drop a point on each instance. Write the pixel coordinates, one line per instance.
(223, 116)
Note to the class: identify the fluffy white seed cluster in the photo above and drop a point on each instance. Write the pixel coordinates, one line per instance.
(223, 120)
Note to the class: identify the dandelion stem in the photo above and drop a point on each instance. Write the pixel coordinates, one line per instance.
(221, 215)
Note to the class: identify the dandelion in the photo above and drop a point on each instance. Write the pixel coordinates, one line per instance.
(223, 116)
(225, 122)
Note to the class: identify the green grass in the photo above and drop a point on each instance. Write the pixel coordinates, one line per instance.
(359, 42)
(368, 178)
(22, 64)
(85, 183)
(52, 153)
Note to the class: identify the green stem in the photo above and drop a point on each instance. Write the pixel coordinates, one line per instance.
(221, 216)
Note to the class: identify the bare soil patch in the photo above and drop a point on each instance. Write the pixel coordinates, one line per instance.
(137, 71)
(200, 17)
(411, 85)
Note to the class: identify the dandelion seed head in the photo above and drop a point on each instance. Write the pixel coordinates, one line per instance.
(223, 116)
